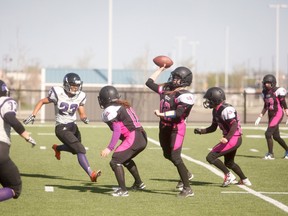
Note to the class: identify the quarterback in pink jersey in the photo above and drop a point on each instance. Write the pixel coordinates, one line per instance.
(176, 103)
(226, 118)
(123, 121)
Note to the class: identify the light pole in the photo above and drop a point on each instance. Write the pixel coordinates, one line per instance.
(277, 7)
(227, 33)
(180, 40)
(109, 78)
(194, 60)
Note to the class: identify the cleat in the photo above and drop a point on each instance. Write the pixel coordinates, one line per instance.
(140, 186)
(180, 184)
(269, 156)
(115, 188)
(286, 155)
(228, 179)
(57, 153)
(245, 182)
(95, 175)
(186, 192)
(120, 193)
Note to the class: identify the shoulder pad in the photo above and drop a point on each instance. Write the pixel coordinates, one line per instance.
(110, 113)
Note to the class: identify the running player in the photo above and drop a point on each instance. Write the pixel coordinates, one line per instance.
(67, 101)
(226, 117)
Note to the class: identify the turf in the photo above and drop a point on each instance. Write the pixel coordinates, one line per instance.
(74, 194)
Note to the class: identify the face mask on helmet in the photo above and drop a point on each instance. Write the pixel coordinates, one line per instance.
(180, 77)
(213, 97)
(72, 83)
(108, 95)
(269, 79)
(4, 91)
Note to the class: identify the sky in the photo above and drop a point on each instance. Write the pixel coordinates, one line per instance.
(64, 33)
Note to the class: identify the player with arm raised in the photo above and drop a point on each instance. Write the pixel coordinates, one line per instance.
(176, 103)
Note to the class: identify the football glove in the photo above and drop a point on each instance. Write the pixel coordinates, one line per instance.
(85, 120)
(31, 119)
(32, 141)
(197, 131)
(258, 120)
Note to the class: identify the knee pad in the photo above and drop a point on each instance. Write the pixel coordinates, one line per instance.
(229, 164)
(78, 148)
(167, 156)
(17, 190)
(277, 138)
(268, 135)
(176, 160)
(211, 157)
(129, 164)
(113, 164)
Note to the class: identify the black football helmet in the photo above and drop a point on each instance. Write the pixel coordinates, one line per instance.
(4, 91)
(107, 95)
(214, 96)
(180, 73)
(72, 79)
(269, 78)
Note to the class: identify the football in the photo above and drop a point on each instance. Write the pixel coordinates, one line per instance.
(162, 60)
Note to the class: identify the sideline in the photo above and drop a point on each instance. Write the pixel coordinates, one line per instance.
(220, 174)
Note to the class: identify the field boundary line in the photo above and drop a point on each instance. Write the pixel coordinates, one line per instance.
(220, 174)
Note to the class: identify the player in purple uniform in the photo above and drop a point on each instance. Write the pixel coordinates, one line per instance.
(274, 103)
(175, 105)
(123, 121)
(10, 177)
(67, 101)
(225, 116)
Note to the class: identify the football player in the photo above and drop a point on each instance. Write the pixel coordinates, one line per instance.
(123, 121)
(68, 100)
(9, 174)
(274, 103)
(225, 116)
(176, 103)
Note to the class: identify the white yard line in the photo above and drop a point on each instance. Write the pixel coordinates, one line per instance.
(262, 192)
(219, 173)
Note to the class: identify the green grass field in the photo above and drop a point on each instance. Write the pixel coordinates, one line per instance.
(74, 194)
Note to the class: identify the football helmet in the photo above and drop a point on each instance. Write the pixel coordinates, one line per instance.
(214, 96)
(72, 79)
(180, 73)
(269, 78)
(107, 95)
(4, 91)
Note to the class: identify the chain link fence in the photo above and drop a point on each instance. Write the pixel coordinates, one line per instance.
(144, 101)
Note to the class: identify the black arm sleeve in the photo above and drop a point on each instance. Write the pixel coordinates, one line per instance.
(210, 129)
(283, 102)
(152, 85)
(11, 119)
